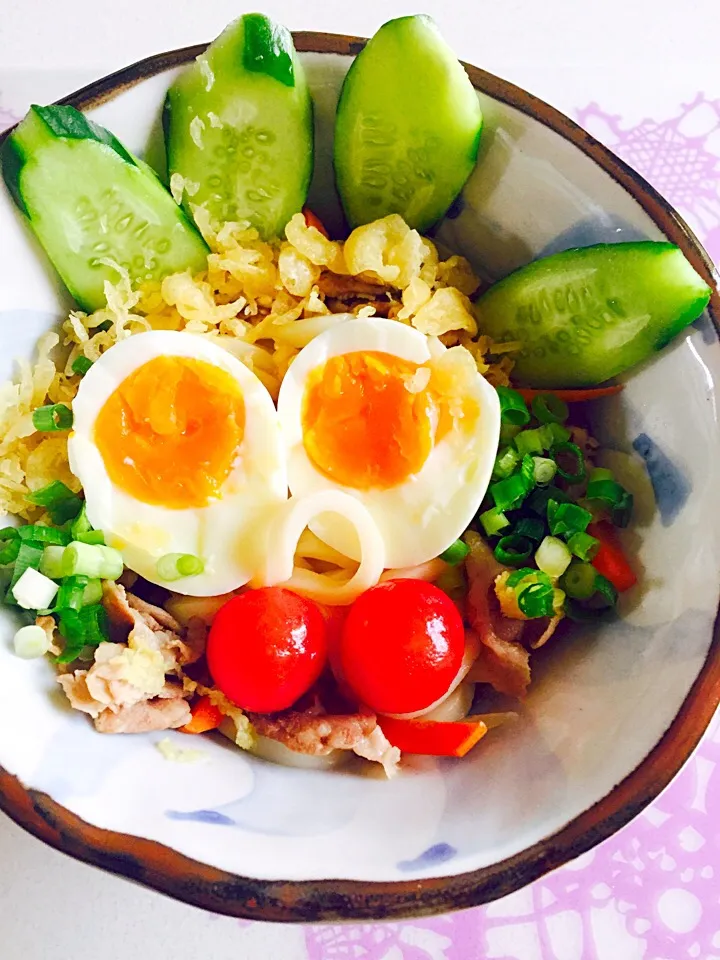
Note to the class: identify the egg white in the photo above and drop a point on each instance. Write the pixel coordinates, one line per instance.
(422, 516)
(222, 533)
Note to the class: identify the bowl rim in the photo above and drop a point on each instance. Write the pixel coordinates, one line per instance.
(154, 865)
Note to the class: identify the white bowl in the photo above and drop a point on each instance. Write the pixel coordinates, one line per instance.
(613, 712)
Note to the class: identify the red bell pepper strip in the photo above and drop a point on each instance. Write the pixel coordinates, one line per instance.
(433, 737)
(313, 221)
(574, 396)
(610, 560)
(205, 716)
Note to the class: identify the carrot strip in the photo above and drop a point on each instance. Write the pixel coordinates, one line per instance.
(205, 716)
(574, 396)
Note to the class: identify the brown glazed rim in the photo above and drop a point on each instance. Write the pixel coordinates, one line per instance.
(163, 869)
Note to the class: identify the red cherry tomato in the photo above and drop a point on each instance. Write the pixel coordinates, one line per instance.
(266, 648)
(402, 645)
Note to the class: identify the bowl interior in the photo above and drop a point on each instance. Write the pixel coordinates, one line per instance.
(600, 701)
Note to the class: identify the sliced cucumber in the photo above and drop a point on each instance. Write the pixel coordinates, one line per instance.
(89, 200)
(239, 127)
(408, 126)
(585, 315)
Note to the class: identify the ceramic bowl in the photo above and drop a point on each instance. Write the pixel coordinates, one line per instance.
(613, 713)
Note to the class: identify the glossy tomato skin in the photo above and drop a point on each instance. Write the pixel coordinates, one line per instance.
(266, 648)
(402, 645)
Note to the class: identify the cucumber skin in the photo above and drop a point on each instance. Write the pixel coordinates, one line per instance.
(384, 161)
(47, 133)
(262, 175)
(638, 295)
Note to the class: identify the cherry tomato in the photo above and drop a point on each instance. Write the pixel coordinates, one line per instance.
(402, 645)
(266, 648)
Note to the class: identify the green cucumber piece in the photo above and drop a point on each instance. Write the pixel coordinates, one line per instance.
(408, 126)
(89, 200)
(239, 128)
(588, 314)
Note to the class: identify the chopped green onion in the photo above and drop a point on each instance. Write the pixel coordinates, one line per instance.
(545, 469)
(535, 576)
(600, 473)
(531, 528)
(9, 551)
(610, 492)
(505, 463)
(513, 408)
(43, 534)
(9, 533)
(92, 560)
(80, 524)
(605, 592)
(65, 511)
(493, 521)
(529, 441)
(29, 557)
(583, 545)
(536, 600)
(553, 557)
(81, 365)
(508, 432)
(34, 591)
(50, 495)
(622, 512)
(51, 562)
(104, 326)
(93, 592)
(513, 550)
(578, 581)
(552, 433)
(569, 451)
(601, 602)
(455, 553)
(558, 601)
(512, 491)
(549, 408)
(54, 417)
(603, 489)
(71, 593)
(30, 642)
(72, 630)
(95, 537)
(565, 519)
(175, 566)
(539, 499)
(94, 620)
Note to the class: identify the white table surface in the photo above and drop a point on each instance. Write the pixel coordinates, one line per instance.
(634, 59)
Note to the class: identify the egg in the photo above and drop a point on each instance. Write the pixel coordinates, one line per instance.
(388, 415)
(178, 447)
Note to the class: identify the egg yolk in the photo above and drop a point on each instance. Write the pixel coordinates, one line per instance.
(369, 419)
(169, 434)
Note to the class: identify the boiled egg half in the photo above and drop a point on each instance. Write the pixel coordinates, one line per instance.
(178, 448)
(388, 415)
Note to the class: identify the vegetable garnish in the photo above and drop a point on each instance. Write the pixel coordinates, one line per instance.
(57, 416)
(574, 396)
(402, 645)
(266, 648)
(513, 550)
(455, 553)
(91, 560)
(610, 560)
(313, 221)
(81, 365)
(513, 409)
(433, 738)
(205, 717)
(175, 566)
